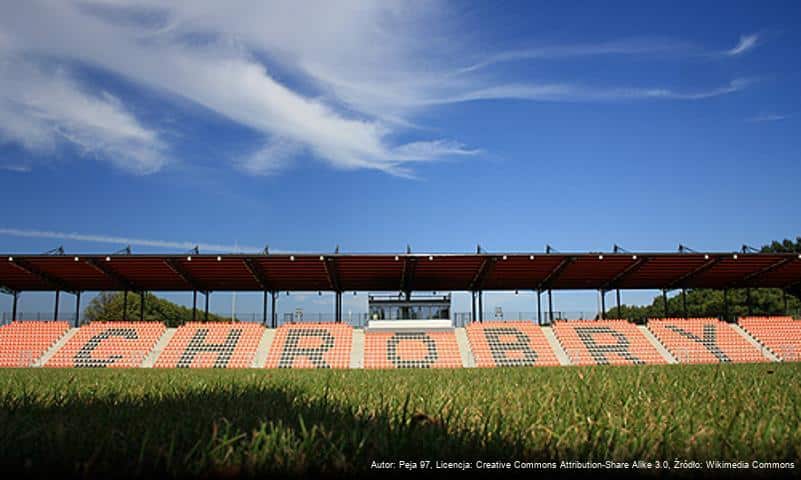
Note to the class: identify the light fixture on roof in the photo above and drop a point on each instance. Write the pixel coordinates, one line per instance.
(322, 258)
(706, 256)
(76, 259)
(531, 257)
(10, 259)
(600, 257)
(108, 259)
(219, 258)
(397, 258)
(431, 257)
(504, 257)
(189, 258)
(291, 258)
(734, 256)
(634, 257)
(799, 256)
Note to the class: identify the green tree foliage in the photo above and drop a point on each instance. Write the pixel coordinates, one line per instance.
(710, 303)
(108, 306)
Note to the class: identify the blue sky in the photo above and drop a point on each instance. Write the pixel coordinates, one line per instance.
(373, 125)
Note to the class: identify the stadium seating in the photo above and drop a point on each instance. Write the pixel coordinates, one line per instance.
(605, 342)
(703, 340)
(506, 344)
(411, 349)
(109, 344)
(212, 345)
(781, 335)
(311, 345)
(24, 342)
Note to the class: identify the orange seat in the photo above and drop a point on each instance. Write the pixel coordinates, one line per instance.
(505, 344)
(605, 342)
(703, 340)
(411, 349)
(109, 344)
(780, 335)
(212, 345)
(24, 342)
(311, 345)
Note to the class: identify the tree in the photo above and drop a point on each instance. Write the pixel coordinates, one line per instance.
(108, 306)
(710, 303)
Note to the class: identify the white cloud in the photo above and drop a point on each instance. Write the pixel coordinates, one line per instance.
(40, 109)
(113, 240)
(767, 117)
(747, 42)
(339, 80)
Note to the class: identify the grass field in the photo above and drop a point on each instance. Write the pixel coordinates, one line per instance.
(141, 422)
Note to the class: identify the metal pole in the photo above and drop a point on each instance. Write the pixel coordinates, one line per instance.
(14, 306)
(264, 309)
(142, 306)
(55, 307)
(338, 308)
(748, 300)
(206, 313)
(784, 297)
(481, 306)
(665, 302)
(617, 294)
(726, 305)
(473, 295)
(125, 305)
(539, 307)
(77, 309)
(684, 301)
(550, 306)
(273, 313)
(603, 304)
(194, 305)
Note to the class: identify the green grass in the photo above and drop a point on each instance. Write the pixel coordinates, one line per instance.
(187, 422)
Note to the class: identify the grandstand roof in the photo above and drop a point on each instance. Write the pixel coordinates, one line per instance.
(400, 272)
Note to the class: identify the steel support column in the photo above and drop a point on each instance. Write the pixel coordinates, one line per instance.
(617, 295)
(726, 305)
(273, 312)
(481, 306)
(550, 306)
(473, 296)
(264, 309)
(684, 301)
(194, 305)
(338, 308)
(206, 312)
(55, 306)
(748, 301)
(14, 306)
(603, 304)
(77, 309)
(539, 307)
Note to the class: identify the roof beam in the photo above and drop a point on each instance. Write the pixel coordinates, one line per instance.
(549, 280)
(100, 267)
(477, 283)
(330, 264)
(257, 273)
(55, 282)
(682, 281)
(407, 277)
(625, 273)
(179, 270)
(751, 276)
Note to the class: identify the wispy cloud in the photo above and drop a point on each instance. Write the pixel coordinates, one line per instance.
(360, 73)
(113, 240)
(747, 42)
(767, 117)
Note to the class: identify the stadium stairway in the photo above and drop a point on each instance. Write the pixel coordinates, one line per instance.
(762, 348)
(468, 358)
(554, 343)
(357, 349)
(704, 340)
(55, 347)
(781, 336)
(161, 345)
(260, 358)
(658, 346)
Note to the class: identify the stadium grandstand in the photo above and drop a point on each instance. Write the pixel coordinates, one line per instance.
(395, 341)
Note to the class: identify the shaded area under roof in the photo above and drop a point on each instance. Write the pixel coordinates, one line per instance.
(401, 272)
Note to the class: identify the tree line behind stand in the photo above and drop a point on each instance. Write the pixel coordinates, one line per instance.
(108, 306)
